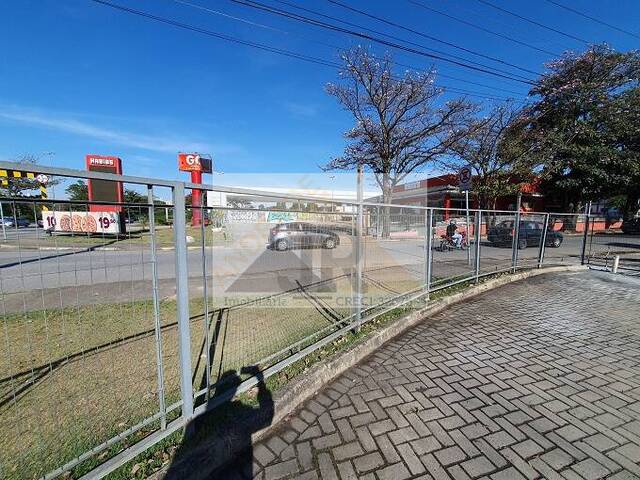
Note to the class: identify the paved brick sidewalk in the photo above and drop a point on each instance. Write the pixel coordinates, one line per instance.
(539, 379)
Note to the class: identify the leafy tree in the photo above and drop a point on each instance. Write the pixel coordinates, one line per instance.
(584, 127)
(78, 191)
(498, 169)
(400, 125)
(131, 196)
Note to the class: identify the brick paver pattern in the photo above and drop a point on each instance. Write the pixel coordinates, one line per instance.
(537, 379)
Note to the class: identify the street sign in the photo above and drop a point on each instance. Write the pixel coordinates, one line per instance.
(193, 162)
(42, 179)
(465, 178)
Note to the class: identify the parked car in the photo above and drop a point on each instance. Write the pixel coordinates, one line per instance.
(20, 222)
(284, 236)
(631, 227)
(530, 234)
(7, 222)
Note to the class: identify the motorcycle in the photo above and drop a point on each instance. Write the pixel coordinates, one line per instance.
(447, 243)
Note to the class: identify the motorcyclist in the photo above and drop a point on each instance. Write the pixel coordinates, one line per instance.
(453, 234)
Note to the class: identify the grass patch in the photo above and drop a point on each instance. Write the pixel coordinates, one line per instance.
(91, 370)
(136, 238)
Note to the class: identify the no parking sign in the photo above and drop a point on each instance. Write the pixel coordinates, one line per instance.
(465, 178)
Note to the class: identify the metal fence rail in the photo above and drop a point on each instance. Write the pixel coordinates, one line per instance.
(110, 343)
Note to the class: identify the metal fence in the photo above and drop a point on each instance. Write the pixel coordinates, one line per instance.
(610, 247)
(110, 343)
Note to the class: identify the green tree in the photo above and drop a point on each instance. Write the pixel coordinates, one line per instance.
(584, 127)
(78, 191)
(131, 196)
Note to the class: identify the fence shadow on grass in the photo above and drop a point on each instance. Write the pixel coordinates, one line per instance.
(225, 432)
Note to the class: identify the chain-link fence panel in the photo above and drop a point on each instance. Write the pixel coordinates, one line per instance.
(80, 353)
(612, 243)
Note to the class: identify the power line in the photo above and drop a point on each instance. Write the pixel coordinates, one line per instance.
(329, 17)
(226, 15)
(318, 23)
(597, 20)
(481, 28)
(533, 22)
(366, 29)
(220, 36)
(260, 46)
(435, 39)
(332, 46)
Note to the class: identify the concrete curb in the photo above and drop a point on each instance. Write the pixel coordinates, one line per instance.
(220, 450)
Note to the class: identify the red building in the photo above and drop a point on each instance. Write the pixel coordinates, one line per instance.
(443, 192)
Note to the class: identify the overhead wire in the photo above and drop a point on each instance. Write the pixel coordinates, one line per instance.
(430, 37)
(533, 22)
(594, 19)
(333, 46)
(481, 28)
(260, 46)
(465, 64)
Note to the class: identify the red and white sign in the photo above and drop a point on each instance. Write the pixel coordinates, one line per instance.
(100, 161)
(193, 162)
(82, 222)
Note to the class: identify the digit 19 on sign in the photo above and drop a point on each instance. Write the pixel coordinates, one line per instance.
(104, 222)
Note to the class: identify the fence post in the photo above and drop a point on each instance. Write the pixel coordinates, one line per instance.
(543, 241)
(478, 236)
(205, 295)
(516, 235)
(467, 229)
(587, 220)
(182, 296)
(4, 230)
(428, 249)
(156, 307)
(359, 255)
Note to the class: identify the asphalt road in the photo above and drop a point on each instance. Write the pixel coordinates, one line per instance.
(54, 278)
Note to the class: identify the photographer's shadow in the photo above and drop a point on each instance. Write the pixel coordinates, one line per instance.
(224, 432)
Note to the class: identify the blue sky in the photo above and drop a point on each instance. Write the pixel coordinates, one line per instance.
(77, 77)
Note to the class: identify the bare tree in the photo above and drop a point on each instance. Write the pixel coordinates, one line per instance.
(400, 123)
(484, 145)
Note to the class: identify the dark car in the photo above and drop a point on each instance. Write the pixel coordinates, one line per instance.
(23, 222)
(631, 227)
(284, 236)
(530, 234)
